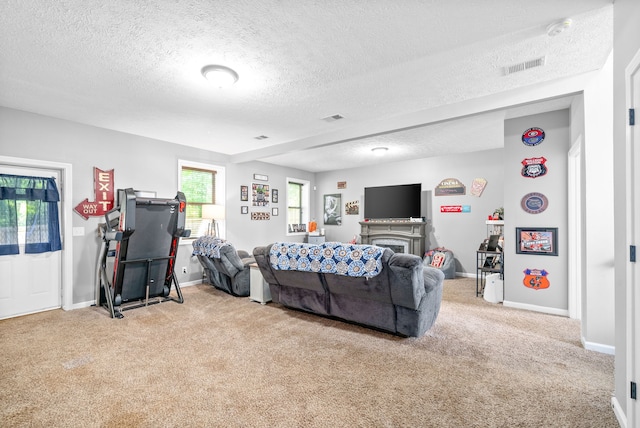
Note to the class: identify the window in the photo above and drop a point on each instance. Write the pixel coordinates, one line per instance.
(29, 214)
(294, 203)
(297, 205)
(201, 184)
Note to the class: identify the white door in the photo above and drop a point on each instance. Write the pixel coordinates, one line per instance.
(30, 282)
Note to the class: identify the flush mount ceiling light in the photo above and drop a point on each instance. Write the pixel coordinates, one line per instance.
(558, 27)
(379, 151)
(219, 75)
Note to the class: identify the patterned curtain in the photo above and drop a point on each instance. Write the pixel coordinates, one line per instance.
(42, 221)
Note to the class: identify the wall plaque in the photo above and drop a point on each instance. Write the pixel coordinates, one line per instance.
(536, 279)
(450, 186)
(103, 195)
(534, 167)
(534, 203)
(532, 137)
(455, 208)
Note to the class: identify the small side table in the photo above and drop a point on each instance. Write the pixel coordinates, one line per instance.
(315, 239)
(258, 288)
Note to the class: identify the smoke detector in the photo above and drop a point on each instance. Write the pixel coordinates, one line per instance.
(558, 27)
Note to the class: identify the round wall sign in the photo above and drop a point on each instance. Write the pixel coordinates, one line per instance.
(534, 203)
(533, 136)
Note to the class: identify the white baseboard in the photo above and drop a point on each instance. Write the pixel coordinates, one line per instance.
(465, 274)
(79, 305)
(617, 410)
(536, 308)
(189, 283)
(598, 347)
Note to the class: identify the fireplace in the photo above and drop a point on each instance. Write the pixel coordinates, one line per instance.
(395, 245)
(406, 234)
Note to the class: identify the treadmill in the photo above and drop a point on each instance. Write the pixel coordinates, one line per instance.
(136, 264)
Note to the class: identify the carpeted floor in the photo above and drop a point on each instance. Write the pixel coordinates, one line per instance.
(222, 361)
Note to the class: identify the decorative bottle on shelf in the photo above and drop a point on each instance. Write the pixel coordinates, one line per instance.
(313, 225)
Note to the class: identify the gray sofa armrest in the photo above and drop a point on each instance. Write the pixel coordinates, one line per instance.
(406, 280)
(433, 278)
(261, 256)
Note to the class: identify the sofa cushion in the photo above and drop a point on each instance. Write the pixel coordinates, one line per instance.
(330, 257)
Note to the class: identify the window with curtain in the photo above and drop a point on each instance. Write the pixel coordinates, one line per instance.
(29, 214)
(199, 187)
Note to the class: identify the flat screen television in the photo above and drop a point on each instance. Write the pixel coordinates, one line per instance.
(400, 201)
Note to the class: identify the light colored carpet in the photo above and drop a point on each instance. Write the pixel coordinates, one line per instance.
(223, 361)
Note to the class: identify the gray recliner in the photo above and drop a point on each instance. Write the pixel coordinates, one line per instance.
(226, 268)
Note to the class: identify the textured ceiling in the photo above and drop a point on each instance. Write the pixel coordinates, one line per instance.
(134, 66)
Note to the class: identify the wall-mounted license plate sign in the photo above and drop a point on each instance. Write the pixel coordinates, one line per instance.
(536, 279)
(532, 137)
(455, 208)
(534, 167)
(534, 203)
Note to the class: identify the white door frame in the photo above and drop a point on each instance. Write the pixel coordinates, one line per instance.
(575, 229)
(632, 77)
(66, 224)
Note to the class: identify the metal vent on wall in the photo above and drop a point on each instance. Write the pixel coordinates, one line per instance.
(333, 118)
(526, 65)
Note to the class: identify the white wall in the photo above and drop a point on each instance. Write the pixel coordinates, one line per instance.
(140, 163)
(245, 233)
(460, 232)
(553, 185)
(599, 291)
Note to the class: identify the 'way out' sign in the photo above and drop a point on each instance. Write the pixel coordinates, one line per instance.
(103, 195)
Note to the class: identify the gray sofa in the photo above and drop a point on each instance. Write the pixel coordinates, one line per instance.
(402, 298)
(224, 267)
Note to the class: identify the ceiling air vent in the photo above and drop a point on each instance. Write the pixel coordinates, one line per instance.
(332, 118)
(261, 137)
(526, 65)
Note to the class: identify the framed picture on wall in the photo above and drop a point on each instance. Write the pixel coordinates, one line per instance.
(244, 209)
(260, 194)
(537, 240)
(274, 196)
(244, 193)
(333, 209)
